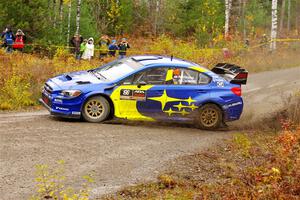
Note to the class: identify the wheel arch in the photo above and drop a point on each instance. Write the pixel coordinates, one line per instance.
(217, 104)
(111, 104)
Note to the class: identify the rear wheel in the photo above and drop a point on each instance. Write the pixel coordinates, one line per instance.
(96, 109)
(210, 117)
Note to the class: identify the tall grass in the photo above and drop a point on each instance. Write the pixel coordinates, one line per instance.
(22, 76)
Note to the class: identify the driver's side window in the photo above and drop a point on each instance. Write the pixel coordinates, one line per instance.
(153, 76)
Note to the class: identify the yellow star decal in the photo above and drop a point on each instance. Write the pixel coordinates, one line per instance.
(180, 106)
(193, 107)
(190, 100)
(184, 112)
(164, 98)
(170, 112)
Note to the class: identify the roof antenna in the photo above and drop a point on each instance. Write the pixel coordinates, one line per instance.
(171, 57)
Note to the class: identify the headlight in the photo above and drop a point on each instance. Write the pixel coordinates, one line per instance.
(70, 93)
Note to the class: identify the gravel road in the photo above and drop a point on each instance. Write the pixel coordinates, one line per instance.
(116, 153)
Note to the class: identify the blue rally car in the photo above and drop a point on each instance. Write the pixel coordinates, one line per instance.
(154, 88)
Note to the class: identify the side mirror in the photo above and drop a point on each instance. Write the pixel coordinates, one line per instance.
(141, 83)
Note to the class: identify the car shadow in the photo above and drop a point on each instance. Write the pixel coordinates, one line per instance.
(146, 124)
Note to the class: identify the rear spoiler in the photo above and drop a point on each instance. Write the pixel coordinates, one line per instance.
(232, 73)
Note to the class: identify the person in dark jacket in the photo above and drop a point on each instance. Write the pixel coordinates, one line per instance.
(75, 42)
(112, 48)
(9, 38)
(19, 41)
(123, 46)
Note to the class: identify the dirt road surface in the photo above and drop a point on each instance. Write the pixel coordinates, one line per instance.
(116, 154)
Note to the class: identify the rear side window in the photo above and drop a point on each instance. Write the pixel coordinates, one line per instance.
(183, 76)
(203, 79)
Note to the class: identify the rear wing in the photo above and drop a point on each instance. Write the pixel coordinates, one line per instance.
(232, 73)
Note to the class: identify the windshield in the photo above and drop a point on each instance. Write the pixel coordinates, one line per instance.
(117, 69)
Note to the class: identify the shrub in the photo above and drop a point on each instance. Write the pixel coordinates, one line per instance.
(50, 184)
(15, 94)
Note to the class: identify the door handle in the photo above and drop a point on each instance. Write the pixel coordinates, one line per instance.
(201, 91)
(159, 91)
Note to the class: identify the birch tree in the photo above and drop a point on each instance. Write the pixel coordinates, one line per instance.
(54, 13)
(69, 21)
(228, 5)
(157, 9)
(78, 16)
(274, 25)
(61, 9)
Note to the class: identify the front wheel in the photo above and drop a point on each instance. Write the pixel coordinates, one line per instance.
(210, 117)
(96, 109)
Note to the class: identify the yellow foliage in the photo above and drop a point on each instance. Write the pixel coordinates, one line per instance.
(50, 184)
(15, 94)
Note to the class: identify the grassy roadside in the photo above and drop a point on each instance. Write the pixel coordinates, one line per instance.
(245, 167)
(251, 165)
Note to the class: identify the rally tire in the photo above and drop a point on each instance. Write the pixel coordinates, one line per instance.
(209, 117)
(96, 109)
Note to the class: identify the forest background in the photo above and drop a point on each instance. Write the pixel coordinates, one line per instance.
(196, 30)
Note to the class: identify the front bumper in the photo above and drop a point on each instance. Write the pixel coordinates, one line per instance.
(60, 113)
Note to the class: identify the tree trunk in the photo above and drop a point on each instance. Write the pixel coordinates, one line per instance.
(78, 16)
(297, 17)
(69, 21)
(157, 9)
(282, 14)
(244, 19)
(54, 13)
(274, 25)
(48, 8)
(289, 16)
(228, 4)
(61, 6)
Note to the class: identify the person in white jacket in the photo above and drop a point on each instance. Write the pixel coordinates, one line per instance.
(89, 50)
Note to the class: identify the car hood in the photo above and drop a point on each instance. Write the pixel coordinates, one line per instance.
(73, 80)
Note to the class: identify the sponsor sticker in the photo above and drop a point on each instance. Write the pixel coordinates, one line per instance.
(58, 101)
(75, 113)
(126, 94)
(60, 108)
(220, 83)
(232, 104)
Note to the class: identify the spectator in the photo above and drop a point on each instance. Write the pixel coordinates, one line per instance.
(75, 42)
(226, 53)
(104, 43)
(83, 47)
(264, 41)
(113, 47)
(9, 38)
(247, 43)
(89, 50)
(123, 46)
(19, 41)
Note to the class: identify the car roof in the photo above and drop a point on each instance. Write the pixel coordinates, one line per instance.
(147, 60)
